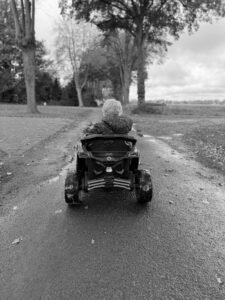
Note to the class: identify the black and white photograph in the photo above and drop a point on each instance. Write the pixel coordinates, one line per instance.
(112, 149)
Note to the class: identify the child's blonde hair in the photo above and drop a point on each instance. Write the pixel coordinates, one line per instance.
(112, 107)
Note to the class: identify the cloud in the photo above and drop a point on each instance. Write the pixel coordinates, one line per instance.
(207, 41)
(47, 13)
(167, 74)
(194, 67)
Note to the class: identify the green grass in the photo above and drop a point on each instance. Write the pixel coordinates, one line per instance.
(67, 112)
(201, 130)
(208, 143)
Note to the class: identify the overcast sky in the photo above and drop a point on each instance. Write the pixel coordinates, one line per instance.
(194, 67)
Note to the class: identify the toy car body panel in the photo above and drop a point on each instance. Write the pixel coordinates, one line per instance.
(109, 162)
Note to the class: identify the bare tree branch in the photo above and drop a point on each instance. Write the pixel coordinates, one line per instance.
(33, 18)
(149, 3)
(162, 4)
(16, 19)
(23, 17)
(85, 78)
(27, 19)
(121, 7)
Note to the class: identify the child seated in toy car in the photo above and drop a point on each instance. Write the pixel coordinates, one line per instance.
(108, 159)
(113, 122)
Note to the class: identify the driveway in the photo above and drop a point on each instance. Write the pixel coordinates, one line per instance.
(113, 248)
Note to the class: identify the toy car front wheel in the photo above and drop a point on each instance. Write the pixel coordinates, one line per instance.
(72, 189)
(143, 188)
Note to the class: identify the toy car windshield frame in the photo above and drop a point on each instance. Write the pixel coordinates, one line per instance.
(93, 137)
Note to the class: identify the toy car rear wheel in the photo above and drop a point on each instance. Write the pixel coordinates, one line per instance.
(74, 200)
(143, 196)
(143, 189)
(72, 189)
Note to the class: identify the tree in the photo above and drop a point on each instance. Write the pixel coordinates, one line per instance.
(56, 91)
(24, 19)
(69, 94)
(45, 78)
(43, 87)
(121, 50)
(146, 20)
(109, 64)
(42, 62)
(10, 62)
(97, 66)
(12, 83)
(75, 42)
(105, 69)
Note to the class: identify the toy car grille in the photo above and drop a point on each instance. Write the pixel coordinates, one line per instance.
(109, 183)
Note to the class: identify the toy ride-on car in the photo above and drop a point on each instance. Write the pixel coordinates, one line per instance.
(108, 162)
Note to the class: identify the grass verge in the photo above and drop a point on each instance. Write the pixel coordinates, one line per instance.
(202, 135)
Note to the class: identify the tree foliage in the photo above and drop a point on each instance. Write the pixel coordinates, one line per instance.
(12, 83)
(173, 15)
(74, 45)
(69, 94)
(148, 21)
(10, 62)
(121, 55)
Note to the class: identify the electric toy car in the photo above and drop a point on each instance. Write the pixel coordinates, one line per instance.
(108, 162)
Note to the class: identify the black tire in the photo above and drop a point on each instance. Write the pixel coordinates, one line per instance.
(143, 186)
(72, 189)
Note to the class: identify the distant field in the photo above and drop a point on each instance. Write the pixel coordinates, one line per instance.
(183, 109)
(68, 111)
(195, 109)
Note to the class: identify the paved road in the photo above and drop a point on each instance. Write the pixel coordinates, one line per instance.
(113, 248)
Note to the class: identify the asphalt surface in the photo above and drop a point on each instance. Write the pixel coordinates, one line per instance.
(113, 248)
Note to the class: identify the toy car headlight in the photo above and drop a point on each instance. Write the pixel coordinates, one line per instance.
(99, 168)
(109, 170)
(118, 168)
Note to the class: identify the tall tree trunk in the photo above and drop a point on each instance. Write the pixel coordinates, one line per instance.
(24, 19)
(79, 95)
(29, 75)
(127, 67)
(126, 85)
(118, 91)
(79, 90)
(140, 70)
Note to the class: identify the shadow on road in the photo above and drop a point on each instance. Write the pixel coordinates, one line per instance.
(117, 203)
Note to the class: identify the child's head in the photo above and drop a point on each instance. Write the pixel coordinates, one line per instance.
(112, 107)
